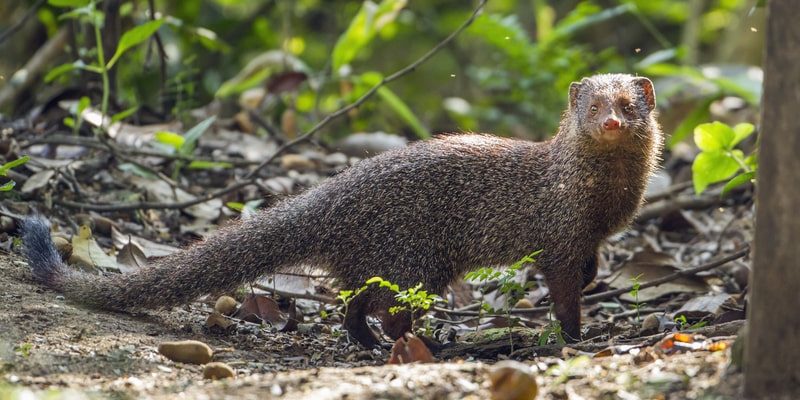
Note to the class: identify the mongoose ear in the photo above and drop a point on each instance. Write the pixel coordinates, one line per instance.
(648, 91)
(574, 88)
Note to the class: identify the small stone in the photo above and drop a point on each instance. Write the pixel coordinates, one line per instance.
(225, 305)
(186, 351)
(650, 325)
(218, 370)
(512, 380)
(335, 159)
(523, 303)
(297, 162)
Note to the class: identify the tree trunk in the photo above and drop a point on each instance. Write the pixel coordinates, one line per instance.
(772, 355)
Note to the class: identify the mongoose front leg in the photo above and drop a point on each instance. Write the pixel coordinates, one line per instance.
(565, 291)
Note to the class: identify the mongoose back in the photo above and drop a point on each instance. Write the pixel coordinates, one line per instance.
(425, 214)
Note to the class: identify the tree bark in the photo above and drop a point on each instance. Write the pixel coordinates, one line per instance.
(772, 354)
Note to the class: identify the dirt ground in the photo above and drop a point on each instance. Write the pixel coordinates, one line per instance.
(52, 349)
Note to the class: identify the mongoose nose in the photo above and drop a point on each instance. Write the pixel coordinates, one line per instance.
(611, 124)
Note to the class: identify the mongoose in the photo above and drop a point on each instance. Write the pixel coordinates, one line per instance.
(427, 213)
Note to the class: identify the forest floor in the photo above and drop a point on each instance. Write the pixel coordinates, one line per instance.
(53, 348)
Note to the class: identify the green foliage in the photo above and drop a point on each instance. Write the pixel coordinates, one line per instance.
(412, 299)
(635, 285)
(552, 329)
(718, 159)
(185, 145)
(24, 349)
(683, 323)
(507, 285)
(370, 20)
(6, 167)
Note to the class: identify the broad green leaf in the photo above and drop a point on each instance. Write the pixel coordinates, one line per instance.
(209, 164)
(374, 279)
(713, 136)
(69, 122)
(741, 132)
(404, 112)
(133, 37)
(235, 206)
(12, 164)
(68, 3)
(369, 20)
(123, 114)
(193, 134)
(170, 138)
(698, 115)
(711, 167)
(737, 181)
(7, 186)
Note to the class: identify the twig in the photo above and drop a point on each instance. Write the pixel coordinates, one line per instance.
(668, 192)
(612, 293)
(250, 178)
(402, 72)
(686, 272)
(293, 295)
(17, 25)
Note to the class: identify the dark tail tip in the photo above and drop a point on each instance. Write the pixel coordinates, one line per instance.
(40, 251)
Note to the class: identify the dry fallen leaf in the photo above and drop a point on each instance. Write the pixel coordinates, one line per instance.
(87, 253)
(217, 320)
(258, 307)
(131, 258)
(410, 349)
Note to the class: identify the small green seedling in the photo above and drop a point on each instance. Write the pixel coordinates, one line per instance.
(635, 285)
(6, 167)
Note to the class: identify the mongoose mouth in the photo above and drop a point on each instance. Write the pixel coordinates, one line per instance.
(609, 136)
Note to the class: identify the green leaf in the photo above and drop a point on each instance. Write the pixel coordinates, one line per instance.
(741, 132)
(713, 136)
(68, 3)
(7, 186)
(209, 164)
(83, 104)
(58, 71)
(369, 20)
(123, 114)
(170, 138)
(69, 122)
(133, 37)
(404, 112)
(12, 164)
(235, 206)
(711, 167)
(737, 181)
(374, 279)
(193, 134)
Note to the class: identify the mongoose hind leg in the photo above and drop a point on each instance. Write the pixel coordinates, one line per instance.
(589, 270)
(355, 321)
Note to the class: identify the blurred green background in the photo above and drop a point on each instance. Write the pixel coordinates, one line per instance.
(508, 73)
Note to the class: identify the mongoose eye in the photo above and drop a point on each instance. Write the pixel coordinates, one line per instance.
(628, 108)
(593, 109)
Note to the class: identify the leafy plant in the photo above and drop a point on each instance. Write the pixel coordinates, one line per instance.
(6, 167)
(552, 329)
(24, 349)
(719, 159)
(185, 144)
(85, 11)
(683, 323)
(635, 285)
(412, 299)
(507, 285)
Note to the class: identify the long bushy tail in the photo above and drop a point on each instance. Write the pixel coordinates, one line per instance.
(236, 254)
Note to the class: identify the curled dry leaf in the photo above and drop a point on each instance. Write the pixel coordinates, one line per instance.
(512, 380)
(217, 320)
(257, 307)
(131, 258)
(410, 349)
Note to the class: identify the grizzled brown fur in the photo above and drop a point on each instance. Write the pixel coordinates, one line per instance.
(427, 213)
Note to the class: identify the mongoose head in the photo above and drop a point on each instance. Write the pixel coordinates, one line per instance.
(613, 109)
